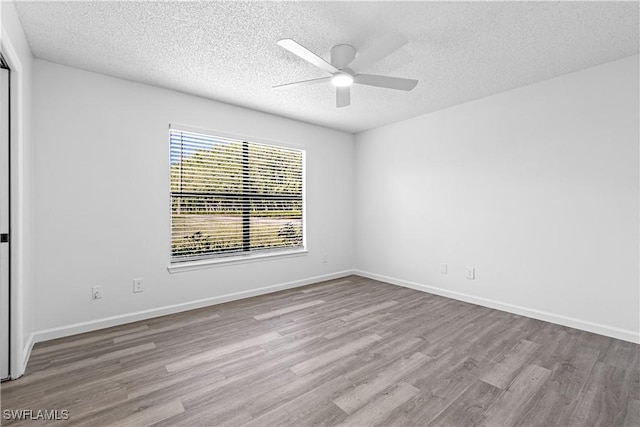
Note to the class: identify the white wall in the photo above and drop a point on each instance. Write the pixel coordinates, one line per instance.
(537, 188)
(102, 187)
(18, 55)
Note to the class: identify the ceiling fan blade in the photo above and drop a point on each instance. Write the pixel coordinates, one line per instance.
(302, 83)
(381, 49)
(343, 96)
(304, 53)
(385, 81)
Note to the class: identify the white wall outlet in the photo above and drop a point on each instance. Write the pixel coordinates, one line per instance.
(96, 292)
(137, 285)
(471, 273)
(443, 268)
(324, 257)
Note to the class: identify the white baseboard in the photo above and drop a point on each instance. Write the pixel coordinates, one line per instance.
(610, 331)
(107, 322)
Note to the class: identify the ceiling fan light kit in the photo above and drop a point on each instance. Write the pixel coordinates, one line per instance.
(342, 79)
(345, 64)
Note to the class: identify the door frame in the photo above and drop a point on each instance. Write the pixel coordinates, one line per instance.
(7, 151)
(19, 349)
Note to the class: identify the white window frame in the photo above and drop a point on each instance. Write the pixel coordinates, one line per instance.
(246, 257)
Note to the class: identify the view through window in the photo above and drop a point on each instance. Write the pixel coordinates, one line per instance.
(231, 197)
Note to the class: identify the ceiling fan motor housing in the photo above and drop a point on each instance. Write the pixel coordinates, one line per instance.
(342, 55)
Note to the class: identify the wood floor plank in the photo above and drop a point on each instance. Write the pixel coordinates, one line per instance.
(271, 374)
(446, 378)
(361, 394)
(217, 352)
(149, 332)
(601, 404)
(518, 398)
(367, 324)
(620, 354)
(234, 395)
(168, 382)
(286, 310)
(468, 409)
(376, 412)
(368, 310)
(91, 363)
(549, 409)
(153, 414)
(300, 385)
(350, 351)
(328, 357)
(632, 417)
(506, 369)
(572, 369)
(287, 413)
(379, 357)
(326, 415)
(90, 339)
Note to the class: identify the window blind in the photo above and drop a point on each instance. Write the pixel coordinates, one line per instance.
(233, 197)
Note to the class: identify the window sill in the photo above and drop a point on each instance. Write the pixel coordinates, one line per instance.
(242, 259)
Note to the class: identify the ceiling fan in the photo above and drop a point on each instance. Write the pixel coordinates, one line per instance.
(345, 67)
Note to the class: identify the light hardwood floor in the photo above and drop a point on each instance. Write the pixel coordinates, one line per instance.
(352, 351)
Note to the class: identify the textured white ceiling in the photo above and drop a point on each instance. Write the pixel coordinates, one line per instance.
(227, 50)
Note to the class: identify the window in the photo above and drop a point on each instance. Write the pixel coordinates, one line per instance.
(233, 197)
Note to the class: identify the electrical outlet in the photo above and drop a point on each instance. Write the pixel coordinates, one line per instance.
(324, 257)
(471, 273)
(443, 268)
(137, 285)
(96, 292)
